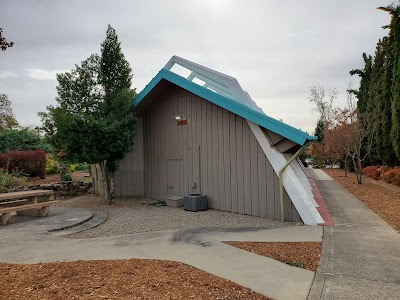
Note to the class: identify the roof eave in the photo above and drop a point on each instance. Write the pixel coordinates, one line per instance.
(263, 120)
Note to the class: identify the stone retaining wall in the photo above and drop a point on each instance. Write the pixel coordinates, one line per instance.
(61, 189)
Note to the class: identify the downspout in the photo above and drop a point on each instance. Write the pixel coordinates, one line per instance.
(281, 181)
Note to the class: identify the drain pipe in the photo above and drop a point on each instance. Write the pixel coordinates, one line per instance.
(281, 181)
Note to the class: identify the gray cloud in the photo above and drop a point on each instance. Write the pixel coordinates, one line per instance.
(42, 74)
(276, 49)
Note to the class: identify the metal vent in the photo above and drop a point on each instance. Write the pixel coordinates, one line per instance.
(195, 202)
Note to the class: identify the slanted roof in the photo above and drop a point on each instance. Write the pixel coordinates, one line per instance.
(224, 91)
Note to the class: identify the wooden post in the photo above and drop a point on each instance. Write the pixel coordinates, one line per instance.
(5, 218)
(44, 211)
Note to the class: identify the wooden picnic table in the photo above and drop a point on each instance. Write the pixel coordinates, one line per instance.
(25, 202)
(34, 194)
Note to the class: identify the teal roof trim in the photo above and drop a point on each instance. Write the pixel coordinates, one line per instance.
(233, 106)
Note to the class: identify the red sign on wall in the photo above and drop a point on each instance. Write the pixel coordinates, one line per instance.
(181, 122)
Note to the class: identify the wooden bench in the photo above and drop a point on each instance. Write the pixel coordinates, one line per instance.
(25, 203)
(12, 202)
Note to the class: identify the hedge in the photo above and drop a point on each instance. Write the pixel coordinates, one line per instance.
(392, 176)
(20, 140)
(32, 163)
(372, 172)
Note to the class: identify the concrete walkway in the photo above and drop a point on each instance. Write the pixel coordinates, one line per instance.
(361, 252)
(200, 247)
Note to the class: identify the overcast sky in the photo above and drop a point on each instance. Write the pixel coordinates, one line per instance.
(276, 49)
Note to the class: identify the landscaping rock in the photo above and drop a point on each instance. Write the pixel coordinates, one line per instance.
(61, 189)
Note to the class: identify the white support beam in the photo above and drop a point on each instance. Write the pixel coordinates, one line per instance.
(297, 169)
(292, 184)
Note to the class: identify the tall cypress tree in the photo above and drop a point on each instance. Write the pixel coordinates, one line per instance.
(393, 82)
(395, 88)
(116, 73)
(374, 105)
(320, 130)
(363, 93)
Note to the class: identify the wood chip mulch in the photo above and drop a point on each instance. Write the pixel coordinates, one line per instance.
(379, 196)
(305, 255)
(115, 279)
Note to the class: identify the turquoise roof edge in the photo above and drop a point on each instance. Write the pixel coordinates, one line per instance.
(235, 107)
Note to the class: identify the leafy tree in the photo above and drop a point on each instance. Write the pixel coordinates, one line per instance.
(93, 121)
(323, 108)
(355, 134)
(3, 42)
(323, 105)
(344, 138)
(7, 119)
(21, 140)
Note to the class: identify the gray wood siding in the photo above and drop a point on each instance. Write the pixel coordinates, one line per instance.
(129, 178)
(216, 150)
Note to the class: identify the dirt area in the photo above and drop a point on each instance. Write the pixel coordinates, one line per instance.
(381, 197)
(305, 255)
(118, 279)
(77, 176)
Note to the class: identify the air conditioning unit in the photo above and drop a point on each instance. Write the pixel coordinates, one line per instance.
(195, 202)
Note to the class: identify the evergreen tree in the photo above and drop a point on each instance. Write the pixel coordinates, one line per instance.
(375, 104)
(392, 81)
(116, 74)
(395, 87)
(363, 93)
(320, 130)
(94, 122)
(3, 42)
(379, 109)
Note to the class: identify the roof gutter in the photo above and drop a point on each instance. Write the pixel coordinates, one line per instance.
(297, 154)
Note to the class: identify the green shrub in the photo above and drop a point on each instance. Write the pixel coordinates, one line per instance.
(66, 177)
(71, 168)
(78, 167)
(9, 181)
(82, 167)
(21, 140)
(51, 165)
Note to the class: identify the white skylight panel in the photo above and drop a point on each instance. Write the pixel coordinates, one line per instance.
(180, 70)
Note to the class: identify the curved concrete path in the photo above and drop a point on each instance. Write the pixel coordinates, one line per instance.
(201, 248)
(361, 252)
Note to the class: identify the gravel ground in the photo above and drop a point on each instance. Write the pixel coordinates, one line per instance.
(130, 216)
